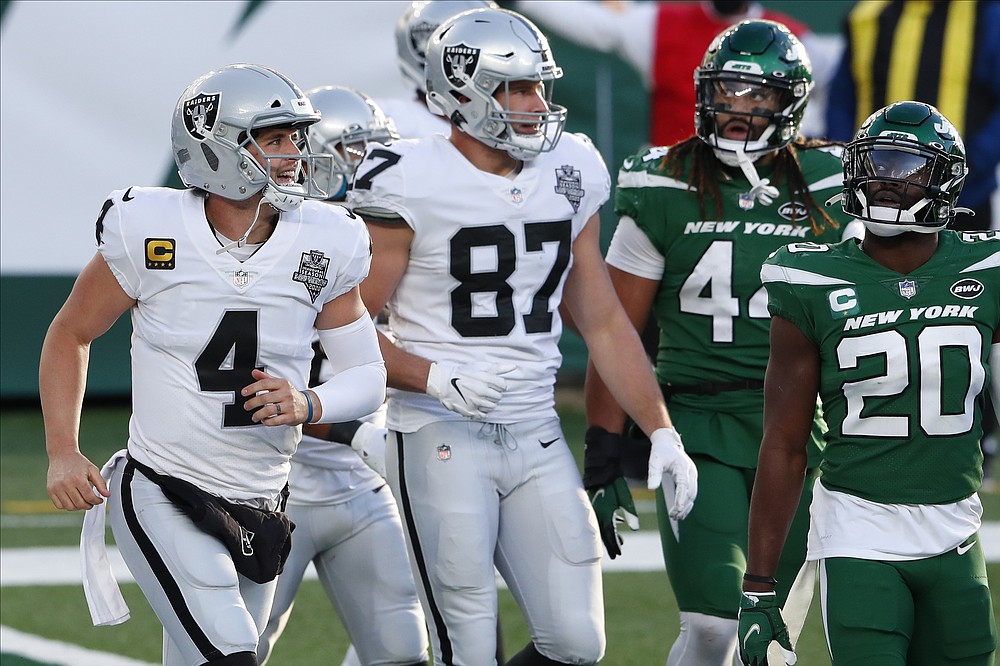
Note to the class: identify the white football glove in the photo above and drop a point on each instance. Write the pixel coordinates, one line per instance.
(369, 442)
(670, 466)
(472, 390)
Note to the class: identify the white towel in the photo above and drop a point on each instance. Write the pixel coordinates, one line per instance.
(105, 600)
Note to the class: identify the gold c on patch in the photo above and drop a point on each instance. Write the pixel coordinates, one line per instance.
(160, 254)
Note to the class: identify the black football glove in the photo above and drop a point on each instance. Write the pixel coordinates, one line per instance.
(606, 487)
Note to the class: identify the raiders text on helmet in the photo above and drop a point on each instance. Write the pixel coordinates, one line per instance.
(477, 53)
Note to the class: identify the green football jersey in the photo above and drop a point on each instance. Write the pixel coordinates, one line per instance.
(904, 361)
(711, 307)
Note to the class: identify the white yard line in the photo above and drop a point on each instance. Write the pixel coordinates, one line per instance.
(61, 566)
(58, 653)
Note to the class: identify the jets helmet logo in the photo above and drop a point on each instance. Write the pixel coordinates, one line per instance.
(459, 63)
(200, 114)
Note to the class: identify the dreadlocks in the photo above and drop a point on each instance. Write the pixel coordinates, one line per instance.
(707, 172)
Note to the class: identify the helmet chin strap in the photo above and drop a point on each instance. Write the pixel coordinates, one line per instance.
(243, 239)
(886, 221)
(760, 188)
(283, 200)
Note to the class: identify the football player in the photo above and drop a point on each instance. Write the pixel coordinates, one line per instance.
(899, 335)
(342, 508)
(696, 221)
(413, 29)
(227, 283)
(479, 237)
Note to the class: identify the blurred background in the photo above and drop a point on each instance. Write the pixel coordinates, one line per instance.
(88, 89)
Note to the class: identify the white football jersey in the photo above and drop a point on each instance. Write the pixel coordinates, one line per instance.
(412, 118)
(205, 320)
(489, 258)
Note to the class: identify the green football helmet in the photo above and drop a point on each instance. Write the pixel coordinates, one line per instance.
(904, 170)
(760, 59)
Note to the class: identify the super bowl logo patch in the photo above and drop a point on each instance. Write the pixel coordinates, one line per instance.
(312, 272)
(569, 184)
(444, 452)
(200, 114)
(160, 254)
(459, 63)
(907, 288)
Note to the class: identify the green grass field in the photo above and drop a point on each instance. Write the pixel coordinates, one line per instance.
(640, 609)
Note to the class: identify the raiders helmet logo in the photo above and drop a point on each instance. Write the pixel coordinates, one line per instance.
(459, 64)
(200, 114)
(420, 34)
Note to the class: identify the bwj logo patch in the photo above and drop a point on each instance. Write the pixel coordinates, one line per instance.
(967, 288)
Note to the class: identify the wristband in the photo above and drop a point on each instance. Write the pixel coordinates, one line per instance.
(309, 404)
(765, 580)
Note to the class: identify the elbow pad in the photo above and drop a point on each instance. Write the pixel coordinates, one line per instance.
(357, 387)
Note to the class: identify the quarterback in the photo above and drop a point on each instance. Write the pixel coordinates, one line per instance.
(898, 334)
(479, 237)
(227, 283)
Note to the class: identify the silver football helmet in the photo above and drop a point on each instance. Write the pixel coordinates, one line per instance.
(415, 27)
(471, 57)
(351, 119)
(215, 122)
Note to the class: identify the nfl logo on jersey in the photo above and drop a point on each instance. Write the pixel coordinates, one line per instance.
(444, 452)
(907, 288)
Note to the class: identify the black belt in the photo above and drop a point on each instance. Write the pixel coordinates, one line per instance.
(710, 388)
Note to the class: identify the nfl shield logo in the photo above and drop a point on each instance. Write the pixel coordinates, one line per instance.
(241, 278)
(444, 452)
(907, 288)
(515, 195)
